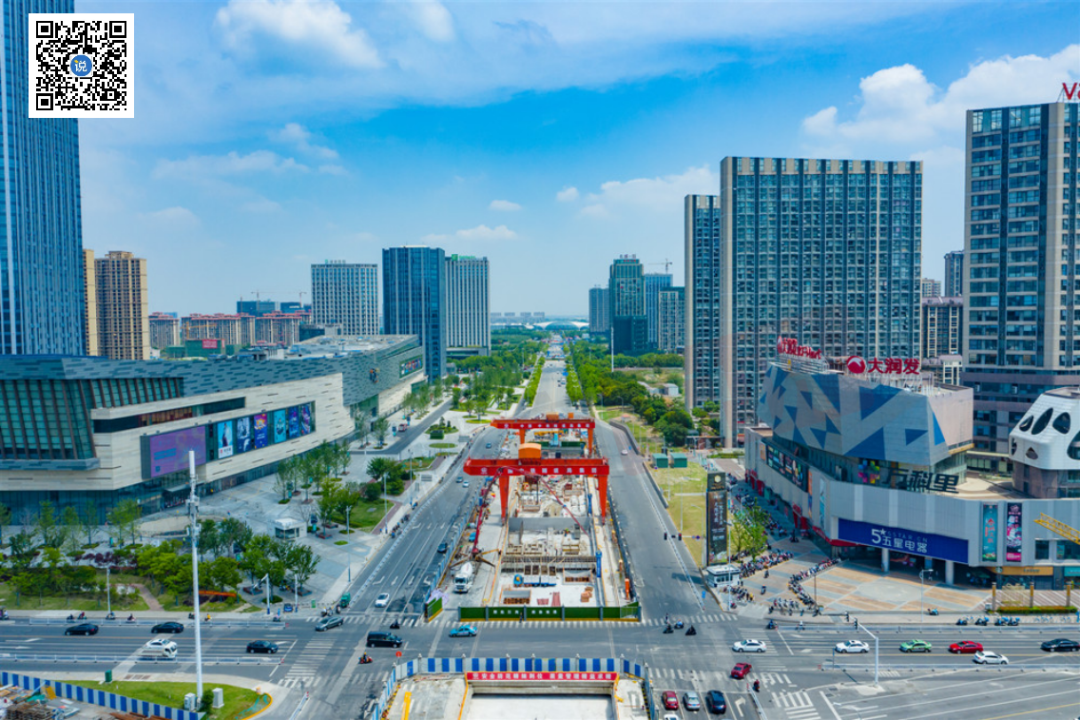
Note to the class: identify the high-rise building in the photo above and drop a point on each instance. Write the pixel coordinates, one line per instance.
(257, 308)
(954, 273)
(90, 308)
(930, 288)
(942, 326)
(626, 292)
(237, 330)
(671, 336)
(346, 294)
(701, 358)
(654, 283)
(1021, 263)
(468, 331)
(414, 300)
(279, 328)
(41, 286)
(599, 310)
(824, 252)
(164, 330)
(123, 306)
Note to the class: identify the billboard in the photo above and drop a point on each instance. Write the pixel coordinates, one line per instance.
(261, 430)
(280, 425)
(989, 533)
(244, 439)
(209, 344)
(794, 470)
(410, 366)
(224, 431)
(294, 423)
(168, 452)
(904, 541)
(716, 533)
(1014, 539)
(305, 419)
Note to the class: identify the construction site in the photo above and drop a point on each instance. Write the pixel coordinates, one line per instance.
(539, 541)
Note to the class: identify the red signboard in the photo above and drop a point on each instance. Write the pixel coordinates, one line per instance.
(1071, 93)
(209, 344)
(883, 366)
(791, 346)
(543, 676)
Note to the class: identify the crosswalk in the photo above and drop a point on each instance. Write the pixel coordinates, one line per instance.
(797, 705)
(307, 665)
(717, 679)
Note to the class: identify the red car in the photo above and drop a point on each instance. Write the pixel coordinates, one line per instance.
(965, 647)
(740, 670)
(671, 700)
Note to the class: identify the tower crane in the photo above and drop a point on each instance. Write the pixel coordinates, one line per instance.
(666, 263)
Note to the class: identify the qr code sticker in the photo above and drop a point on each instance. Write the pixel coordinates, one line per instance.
(82, 65)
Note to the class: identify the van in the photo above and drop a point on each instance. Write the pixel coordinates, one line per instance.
(383, 639)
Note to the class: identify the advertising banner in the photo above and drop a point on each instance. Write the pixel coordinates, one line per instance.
(209, 344)
(1014, 540)
(305, 419)
(716, 535)
(989, 533)
(280, 424)
(294, 423)
(169, 451)
(224, 439)
(262, 430)
(795, 471)
(905, 541)
(244, 439)
(410, 366)
(542, 675)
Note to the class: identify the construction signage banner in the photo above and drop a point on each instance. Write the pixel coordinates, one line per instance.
(545, 676)
(716, 535)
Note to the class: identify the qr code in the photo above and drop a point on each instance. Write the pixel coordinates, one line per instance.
(82, 65)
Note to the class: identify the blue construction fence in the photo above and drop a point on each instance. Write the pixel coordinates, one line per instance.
(457, 666)
(109, 700)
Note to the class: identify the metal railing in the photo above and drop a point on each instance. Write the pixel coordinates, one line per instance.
(64, 658)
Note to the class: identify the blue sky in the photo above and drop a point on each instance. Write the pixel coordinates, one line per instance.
(550, 137)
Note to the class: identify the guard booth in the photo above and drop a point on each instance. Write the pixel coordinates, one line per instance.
(289, 528)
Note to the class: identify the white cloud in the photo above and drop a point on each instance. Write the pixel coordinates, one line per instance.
(504, 206)
(174, 216)
(261, 205)
(295, 134)
(432, 18)
(659, 194)
(319, 27)
(567, 194)
(483, 232)
(333, 170)
(200, 166)
(434, 238)
(596, 210)
(899, 104)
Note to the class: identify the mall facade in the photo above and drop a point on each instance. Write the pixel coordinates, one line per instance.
(868, 457)
(81, 429)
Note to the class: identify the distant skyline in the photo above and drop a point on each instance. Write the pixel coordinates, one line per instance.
(549, 137)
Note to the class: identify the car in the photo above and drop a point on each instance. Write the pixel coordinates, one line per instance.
(331, 621)
(741, 670)
(671, 716)
(965, 647)
(262, 646)
(985, 657)
(383, 600)
(670, 699)
(1061, 645)
(716, 702)
(915, 646)
(443, 547)
(625, 451)
(852, 646)
(167, 627)
(83, 629)
(383, 639)
(489, 445)
(160, 644)
(465, 484)
(749, 646)
(459, 478)
(691, 701)
(464, 631)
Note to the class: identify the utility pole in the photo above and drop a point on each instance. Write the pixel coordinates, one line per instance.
(193, 512)
(108, 591)
(347, 553)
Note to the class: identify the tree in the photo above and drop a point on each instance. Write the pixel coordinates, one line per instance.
(209, 536)
(455, 398)
(302, 561)
(125, 517)
(381, 427)
(71, 524)
(372, 491)
(234, 534)
(89, 520)
(5, 519)
(289, 475)
(340, 457)
(329, 500)
(363, 428)
(22, 550)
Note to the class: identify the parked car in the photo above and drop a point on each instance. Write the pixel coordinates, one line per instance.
(83, 629)
(749, 646)
(1061, 645)
(167, 627)
(489, 445)
(262, 646)
(383, 600)
(463, 631)
(691, 701)
(990, 658)
(741, 670)
(965, 647)
(915, 646)
(716, 702)
(852, 646)
(331, 621)
(671, 700)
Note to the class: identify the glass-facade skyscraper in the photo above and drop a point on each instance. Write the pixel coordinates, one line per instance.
(701, 330)
(827, 252)
(467, 291)
(1021, 265)
(654, 283)
(414, 300)
(626, 295)
(42, 290)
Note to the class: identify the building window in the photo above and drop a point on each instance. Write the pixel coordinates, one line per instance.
(1062, 423)
(1042, 422)
(1042, 549)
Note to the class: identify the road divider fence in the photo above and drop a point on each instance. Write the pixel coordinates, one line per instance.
(619, 613)
(57, 658)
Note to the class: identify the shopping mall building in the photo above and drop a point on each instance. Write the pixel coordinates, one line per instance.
(80, 429)
(875, 468)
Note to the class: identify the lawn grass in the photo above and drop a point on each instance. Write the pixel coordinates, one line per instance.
(364, 515)
(443, 445)
(74, 601)
(685, 490)
(237, 699)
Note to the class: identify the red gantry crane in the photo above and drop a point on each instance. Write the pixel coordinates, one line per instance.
(548, 422)
(503, 468)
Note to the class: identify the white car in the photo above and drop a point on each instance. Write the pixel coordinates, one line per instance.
(383, 600)
(161, 644)
(671, 716)
(625, 452)
(749, 646)
(986, 657)
(852, 646)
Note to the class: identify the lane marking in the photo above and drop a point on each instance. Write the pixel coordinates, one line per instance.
(1028, 712)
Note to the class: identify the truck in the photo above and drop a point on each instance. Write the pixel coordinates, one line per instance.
(463, 578)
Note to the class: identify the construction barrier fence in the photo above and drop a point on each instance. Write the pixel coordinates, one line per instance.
(109, 700)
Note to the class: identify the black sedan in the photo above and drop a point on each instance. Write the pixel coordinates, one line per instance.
(167, 627)
(84, 629)
(715, 702)
(1061, 645)
(262, 646)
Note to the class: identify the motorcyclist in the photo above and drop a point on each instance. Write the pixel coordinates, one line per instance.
(131, 618)
(365, 659)
(691, 631)
(757, 686)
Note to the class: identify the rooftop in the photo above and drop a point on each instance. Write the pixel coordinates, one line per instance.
(330, 345)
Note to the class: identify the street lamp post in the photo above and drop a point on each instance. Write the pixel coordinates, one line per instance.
(347, 553)
(922, 610)
(108, 591)
(193, 512)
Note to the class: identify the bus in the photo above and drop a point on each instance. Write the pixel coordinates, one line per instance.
(723, 576)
